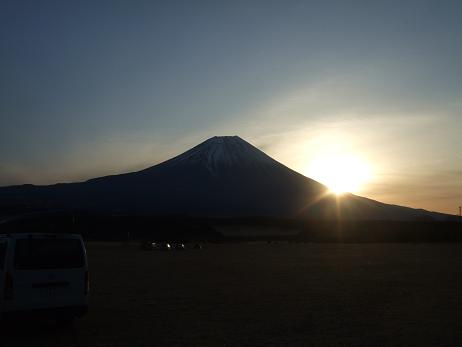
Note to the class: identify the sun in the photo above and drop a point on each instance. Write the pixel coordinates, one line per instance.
(340, 173)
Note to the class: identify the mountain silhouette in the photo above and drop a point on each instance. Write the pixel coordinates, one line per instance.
(223, 176)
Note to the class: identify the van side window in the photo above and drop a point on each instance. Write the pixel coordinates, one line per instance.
(2, 254)
(36, 254)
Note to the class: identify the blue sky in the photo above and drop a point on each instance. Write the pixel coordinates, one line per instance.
(90, 88)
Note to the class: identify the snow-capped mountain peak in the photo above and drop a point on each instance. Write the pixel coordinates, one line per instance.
(224, 151)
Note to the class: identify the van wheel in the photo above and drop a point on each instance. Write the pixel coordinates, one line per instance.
(65, 322)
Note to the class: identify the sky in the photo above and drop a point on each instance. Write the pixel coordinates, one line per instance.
(91, 88)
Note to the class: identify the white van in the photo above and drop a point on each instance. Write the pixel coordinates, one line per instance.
(43, 274)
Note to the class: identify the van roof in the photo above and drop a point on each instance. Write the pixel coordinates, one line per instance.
(39, 235)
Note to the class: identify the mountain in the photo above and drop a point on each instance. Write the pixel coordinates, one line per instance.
(222, 177)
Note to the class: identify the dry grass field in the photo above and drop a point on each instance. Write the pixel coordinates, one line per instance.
(255, 294)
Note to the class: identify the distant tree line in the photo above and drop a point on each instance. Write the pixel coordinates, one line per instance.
(94, 226)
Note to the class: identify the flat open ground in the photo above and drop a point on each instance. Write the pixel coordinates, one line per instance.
(266, 294)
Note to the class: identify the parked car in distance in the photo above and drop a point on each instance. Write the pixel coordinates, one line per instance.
(178, 246)
(156, 246)
(43, 275)
(148, 246)
(162, 246)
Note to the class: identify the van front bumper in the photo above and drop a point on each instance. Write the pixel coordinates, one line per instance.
(52, 313)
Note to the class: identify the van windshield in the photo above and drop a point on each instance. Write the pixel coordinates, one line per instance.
(2, 254)
(35, 254)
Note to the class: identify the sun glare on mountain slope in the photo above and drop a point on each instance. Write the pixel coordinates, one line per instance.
(339, 172)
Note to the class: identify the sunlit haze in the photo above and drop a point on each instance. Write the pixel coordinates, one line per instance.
(341, 173)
